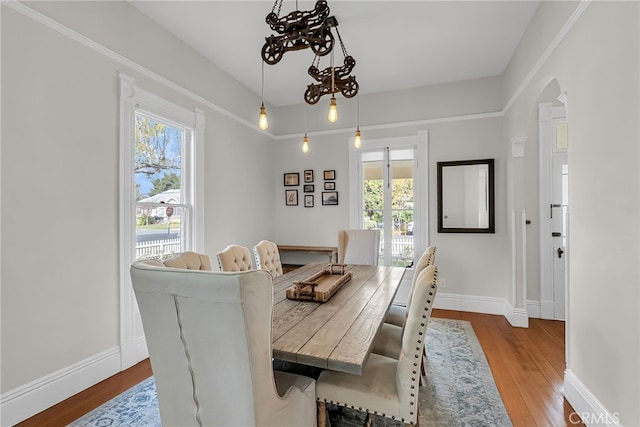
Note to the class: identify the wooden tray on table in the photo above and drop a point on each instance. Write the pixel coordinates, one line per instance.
(321, 286)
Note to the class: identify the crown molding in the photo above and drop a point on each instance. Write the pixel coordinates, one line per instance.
(422, 122)
(74, 35)
(111, 54)
(575, 16)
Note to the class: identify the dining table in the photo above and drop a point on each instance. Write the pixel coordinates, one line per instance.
(337, 334)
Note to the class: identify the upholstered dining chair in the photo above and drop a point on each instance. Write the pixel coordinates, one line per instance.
(209, 340)
(358, 247)
(190, 261)
(387, 387)
(398, 313)
(234, 258)
(268, 257)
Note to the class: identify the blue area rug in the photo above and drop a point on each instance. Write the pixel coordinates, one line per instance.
(459, 391)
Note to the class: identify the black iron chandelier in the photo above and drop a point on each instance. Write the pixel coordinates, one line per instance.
(299, 30)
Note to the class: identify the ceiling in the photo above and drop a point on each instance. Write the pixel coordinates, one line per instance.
(396, 44)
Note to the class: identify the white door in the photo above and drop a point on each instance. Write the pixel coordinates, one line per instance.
(560, 176)
(554, 178)
(387, 195)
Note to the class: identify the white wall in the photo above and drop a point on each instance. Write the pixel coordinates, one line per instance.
(471, 264)
(60, 302)
(596, 65)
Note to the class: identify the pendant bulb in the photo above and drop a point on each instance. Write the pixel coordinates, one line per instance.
(305, 144)
(333, 110)
(357, 142)
(263, 123)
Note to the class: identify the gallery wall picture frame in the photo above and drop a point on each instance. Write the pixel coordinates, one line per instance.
(308, 200)
(308, 175)
(330, 175)
(330, 185)
(291, 179)
(330, 198)
(291, 197)
(309, 188)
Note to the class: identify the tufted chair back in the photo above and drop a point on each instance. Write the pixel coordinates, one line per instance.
(189, 261)
(234, 258)
(268, 257)
(407, 380)
(358, 247)
(209, 337)
(426, 259)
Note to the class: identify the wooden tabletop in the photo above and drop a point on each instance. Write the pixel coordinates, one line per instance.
(339, 333)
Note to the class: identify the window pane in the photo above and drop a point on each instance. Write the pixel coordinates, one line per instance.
(373, 195)
(561, 136)
(158, 179)
(159, 231)
(402, 207)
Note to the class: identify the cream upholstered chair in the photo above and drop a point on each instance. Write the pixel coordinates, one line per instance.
(209, 339)
(234, 258)
(268, 257)
(190, 261)
(358, 247)
(387, 387)
(398, 313)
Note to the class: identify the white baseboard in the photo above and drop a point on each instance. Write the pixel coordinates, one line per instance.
(24, 402)
(533, 308)
(546, 310)
(517, 317)
(472, 303)
(586, 405)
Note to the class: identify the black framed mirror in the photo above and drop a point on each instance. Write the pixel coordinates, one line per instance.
(466, 197)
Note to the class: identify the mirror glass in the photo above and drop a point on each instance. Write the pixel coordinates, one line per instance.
(466, 196)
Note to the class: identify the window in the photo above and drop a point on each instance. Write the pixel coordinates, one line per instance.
(163, 211)
(161, 194)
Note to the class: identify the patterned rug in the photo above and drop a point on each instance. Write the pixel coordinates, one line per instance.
(459, 391)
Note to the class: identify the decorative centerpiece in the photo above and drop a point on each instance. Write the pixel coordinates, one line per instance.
(321, 286)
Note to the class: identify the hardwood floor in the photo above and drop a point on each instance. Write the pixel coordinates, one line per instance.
(527, 364)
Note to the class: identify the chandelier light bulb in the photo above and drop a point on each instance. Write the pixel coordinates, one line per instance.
(305, 144)
(263, 123)
(357, 142)
(333, 110)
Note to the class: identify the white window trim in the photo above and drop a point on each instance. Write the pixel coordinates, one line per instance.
(132, 98)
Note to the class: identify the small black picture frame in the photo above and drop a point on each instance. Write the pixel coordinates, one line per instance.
(309, 188)
(308, 175)
(330, 198)
(308, 200)
(291, 179)
(330, 175)
(291, 197)
(330, 185)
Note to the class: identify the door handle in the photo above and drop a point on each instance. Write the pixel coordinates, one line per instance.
(560, 252)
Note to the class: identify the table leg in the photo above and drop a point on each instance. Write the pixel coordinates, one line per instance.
(322, 414)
